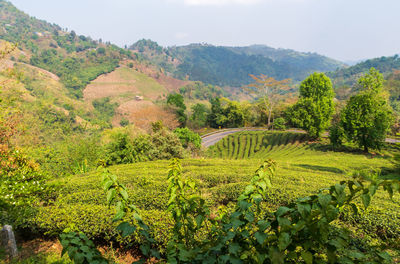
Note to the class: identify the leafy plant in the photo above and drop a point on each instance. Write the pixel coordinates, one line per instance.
(117, 195)
(367, 117)
(187, 136)
(80, 249)
(279, 123)
(301, 231)
(189, 212)
(313, 112)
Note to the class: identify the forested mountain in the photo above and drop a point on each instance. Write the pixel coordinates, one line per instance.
(231, 66)
(77, 60)
(349, 75)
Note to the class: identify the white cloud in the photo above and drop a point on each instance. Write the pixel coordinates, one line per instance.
(219, 2)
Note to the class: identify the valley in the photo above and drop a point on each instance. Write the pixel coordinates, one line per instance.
(193, 153)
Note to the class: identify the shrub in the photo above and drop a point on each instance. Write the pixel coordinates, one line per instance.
(336, 135)
(119, 150)
(279, 123)
(187, 136)
(124, 122)
(167, 145)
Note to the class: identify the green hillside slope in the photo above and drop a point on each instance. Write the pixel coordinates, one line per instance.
(76, 59)
(231, 66)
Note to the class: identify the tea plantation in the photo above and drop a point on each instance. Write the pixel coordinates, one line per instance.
(302, 170)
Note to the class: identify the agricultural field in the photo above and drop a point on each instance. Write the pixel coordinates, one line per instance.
(303, 169)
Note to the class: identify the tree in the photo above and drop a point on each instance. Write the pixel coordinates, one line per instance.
(226, 113)
(315, 107)
(367, 117)
(268, 89)
(199, 115)
(176, 100)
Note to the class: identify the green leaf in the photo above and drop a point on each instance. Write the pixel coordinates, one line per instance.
(249, 216)
(126, 229)
(304, 209)
(372, 189)
(119, 215)
(124, 194)
(385, 256)
(107, 184)
(366, 199)
(260, 237)
(111, 195)
(324, 200)
(356, 254)
(339, 188)
(284, 241)
(282, 210)
(236, 223)
(263, 225)
(307, 257)
(234, 248)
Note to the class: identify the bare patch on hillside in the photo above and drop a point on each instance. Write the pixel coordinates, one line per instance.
(143, 113)
(125, 83)
(170, 83)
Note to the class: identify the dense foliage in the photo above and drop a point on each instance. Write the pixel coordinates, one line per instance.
(201, 91)
(348, 76)
(226, 113)
(199, 115)
(188, 137)
(313, 112)
(299, 231)
(123, 148)
(177, 102)
(207, 63)
(367, 117)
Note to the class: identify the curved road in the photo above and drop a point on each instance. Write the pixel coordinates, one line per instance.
(212, 138)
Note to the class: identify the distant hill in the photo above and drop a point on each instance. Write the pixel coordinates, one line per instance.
(349, 75)
(231, 66)
(76, 59)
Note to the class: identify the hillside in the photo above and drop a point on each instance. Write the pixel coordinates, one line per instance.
(231, 66)
(349, 75)
(82, 68)
(75, 59)
(345, 79)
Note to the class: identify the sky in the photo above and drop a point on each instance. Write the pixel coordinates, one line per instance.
(347, 30)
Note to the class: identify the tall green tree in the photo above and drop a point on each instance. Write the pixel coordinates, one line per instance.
(176, 101)
(315, 107)
(367, 117)
(199, 115)
(226, 113)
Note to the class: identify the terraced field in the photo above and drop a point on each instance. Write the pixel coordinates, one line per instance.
(258, 144)
(302, 170)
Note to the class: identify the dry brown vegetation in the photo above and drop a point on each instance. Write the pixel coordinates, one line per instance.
(143, 117)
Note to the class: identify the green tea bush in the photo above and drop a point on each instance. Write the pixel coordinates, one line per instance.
(302, 230)
(255, 144)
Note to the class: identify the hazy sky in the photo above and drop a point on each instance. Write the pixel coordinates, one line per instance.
(341, 29)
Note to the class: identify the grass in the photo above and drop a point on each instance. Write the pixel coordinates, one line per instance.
(147, 86)
(303, 169)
